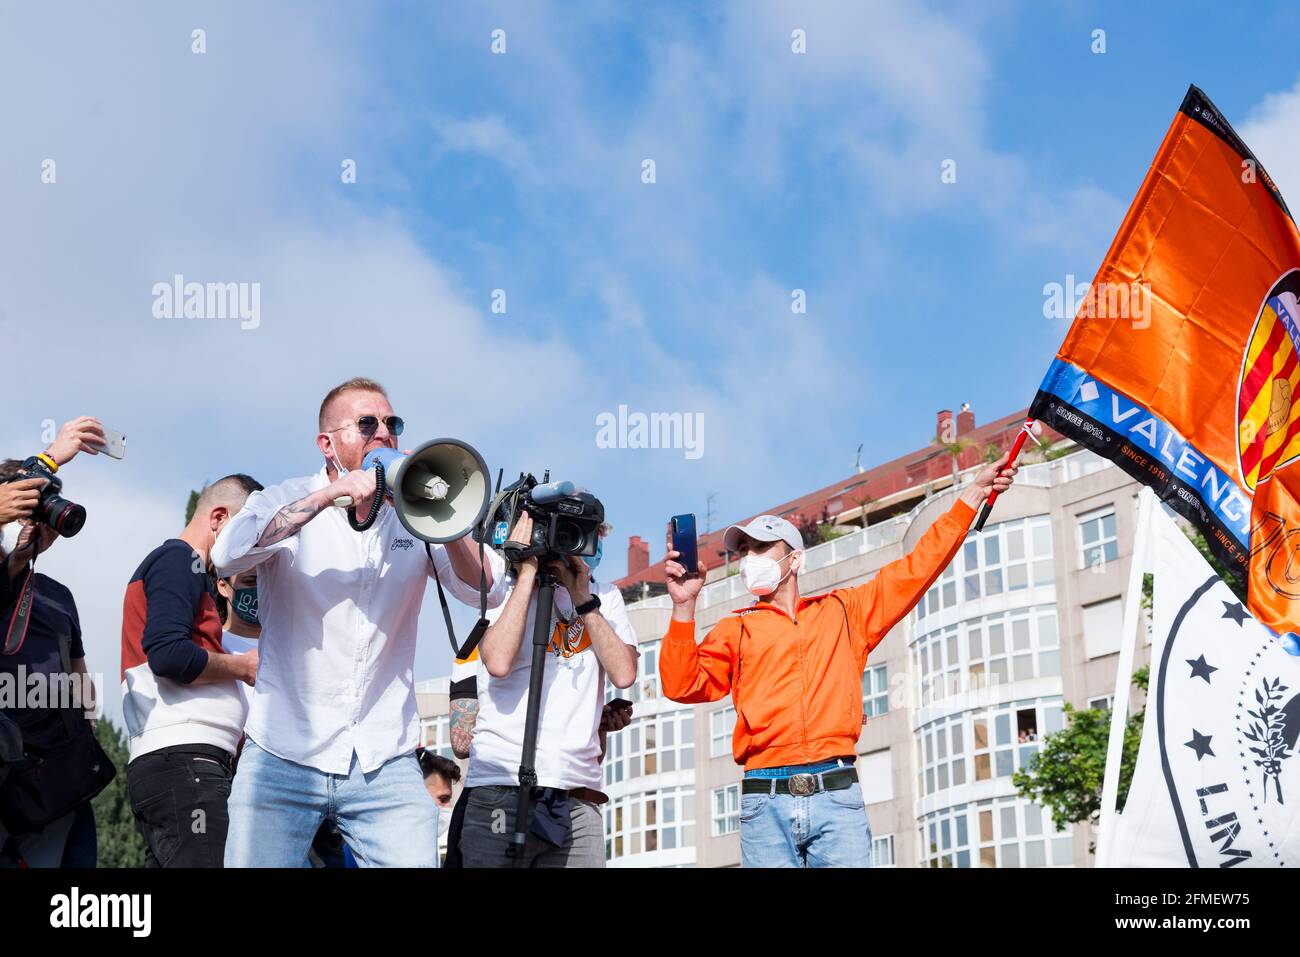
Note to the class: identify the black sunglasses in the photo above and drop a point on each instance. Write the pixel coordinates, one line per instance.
(368, 425)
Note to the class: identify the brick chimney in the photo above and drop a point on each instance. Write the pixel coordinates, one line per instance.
(638, 555)
(965, 419)
(944, 430)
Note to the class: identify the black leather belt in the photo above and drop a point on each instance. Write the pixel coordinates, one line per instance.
(802, 784)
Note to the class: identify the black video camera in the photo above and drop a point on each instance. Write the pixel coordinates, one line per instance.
(566, 521)
(52, 509)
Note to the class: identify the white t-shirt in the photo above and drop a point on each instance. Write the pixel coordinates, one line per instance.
(573, 687)
(233, 644)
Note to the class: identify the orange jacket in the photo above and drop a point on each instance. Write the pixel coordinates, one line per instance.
(797, 685)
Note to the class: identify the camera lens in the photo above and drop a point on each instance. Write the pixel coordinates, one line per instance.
(63, 516)
(568, 536)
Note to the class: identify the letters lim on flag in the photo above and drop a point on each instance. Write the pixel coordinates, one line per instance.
(1197, 392)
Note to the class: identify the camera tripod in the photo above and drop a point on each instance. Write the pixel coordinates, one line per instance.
(527, 757)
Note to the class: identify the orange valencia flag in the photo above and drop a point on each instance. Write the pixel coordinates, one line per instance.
(1181, 365)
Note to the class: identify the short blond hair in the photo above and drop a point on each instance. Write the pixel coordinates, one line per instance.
(355, 384)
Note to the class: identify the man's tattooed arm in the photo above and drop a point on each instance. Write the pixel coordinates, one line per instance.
(290, 520)
(464, 712)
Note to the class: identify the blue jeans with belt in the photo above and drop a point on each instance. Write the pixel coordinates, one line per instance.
(386, 816)
(823, 829)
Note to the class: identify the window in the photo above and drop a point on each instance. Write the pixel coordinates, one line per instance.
(1097, 537)
(1008, 737)
(1102, 624)
(1101, 704)
(663, 819)
(875, 691)
(615, 764)
(726, 810)
(1007, 557)
(1013, 646)
(941, 747)
(655, 744)
(876, 774)
(435, 735)
(722, 723)
(945, 838)
(882, 851)
(939, 664)
(647, 684)
(1015, 833)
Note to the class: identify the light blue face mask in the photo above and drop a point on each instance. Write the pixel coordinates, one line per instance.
(594, 560)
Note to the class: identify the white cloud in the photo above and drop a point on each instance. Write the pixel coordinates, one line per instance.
(1272, 131)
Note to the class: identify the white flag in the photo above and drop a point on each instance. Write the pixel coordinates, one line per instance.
(1217, 783)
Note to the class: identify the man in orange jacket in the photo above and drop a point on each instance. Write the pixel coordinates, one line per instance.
(793, 667)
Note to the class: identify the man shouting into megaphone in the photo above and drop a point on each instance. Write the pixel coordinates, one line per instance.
(332, 728)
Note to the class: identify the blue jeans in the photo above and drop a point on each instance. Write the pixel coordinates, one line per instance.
(386, 817)
(825, 829)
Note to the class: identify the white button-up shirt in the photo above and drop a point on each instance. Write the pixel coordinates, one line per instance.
(339, 610)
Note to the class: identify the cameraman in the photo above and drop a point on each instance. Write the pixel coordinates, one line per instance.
(180, 691)
(332, 727)
(591, 637)
(47, 642)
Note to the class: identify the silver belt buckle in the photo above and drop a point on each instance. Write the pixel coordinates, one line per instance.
(802, 784)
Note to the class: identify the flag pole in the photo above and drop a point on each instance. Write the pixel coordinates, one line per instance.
(993, 496)
(1124, 676)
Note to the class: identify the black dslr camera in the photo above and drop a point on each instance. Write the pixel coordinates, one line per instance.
(52, 509)
(566, 521)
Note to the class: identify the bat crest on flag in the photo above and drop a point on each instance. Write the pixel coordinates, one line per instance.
(1268, 432)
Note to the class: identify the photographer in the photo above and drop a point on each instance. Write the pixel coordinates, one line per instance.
(46, 643)
(333, 725)
(181, 692)
(20, 492)
(591, 637)
(799, 705)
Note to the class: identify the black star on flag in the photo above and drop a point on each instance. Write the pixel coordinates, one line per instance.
(1200, 743)
(1201, 668)
(1234, 610)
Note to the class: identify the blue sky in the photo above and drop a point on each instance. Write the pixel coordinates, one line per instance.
(521, 171)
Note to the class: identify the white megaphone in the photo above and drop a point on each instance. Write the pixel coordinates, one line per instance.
(440, 490)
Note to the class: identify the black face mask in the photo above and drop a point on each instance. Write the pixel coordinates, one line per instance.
(244, 605)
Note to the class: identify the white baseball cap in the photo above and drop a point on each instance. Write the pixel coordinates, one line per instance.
(765, 528)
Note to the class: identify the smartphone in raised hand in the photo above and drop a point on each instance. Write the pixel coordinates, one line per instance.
(114, 444)
(684, 541)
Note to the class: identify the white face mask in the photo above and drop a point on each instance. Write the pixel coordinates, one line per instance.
(762, 575)
(337, 464)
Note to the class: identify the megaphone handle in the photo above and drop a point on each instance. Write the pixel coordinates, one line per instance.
(376, 502)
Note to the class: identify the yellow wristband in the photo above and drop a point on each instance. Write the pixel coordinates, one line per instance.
(52, 465)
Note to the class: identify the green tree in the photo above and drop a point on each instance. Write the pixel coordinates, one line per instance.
(120, 843)
(1067, 776)
(1202, 546)
(192, 505)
